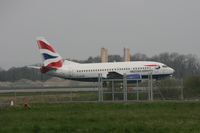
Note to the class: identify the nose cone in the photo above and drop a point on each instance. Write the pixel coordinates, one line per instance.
(172, 70)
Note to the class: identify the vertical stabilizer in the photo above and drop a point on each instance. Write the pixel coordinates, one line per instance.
(50, 57)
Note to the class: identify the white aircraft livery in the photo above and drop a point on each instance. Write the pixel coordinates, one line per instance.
(55, 65)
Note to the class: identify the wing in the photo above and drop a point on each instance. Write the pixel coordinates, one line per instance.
(114, 75)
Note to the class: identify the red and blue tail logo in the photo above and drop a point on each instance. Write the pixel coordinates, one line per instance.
(51, 58)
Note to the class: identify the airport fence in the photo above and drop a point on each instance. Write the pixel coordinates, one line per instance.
(113, 90)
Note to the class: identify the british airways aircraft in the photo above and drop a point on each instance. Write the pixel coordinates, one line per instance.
(55, 65)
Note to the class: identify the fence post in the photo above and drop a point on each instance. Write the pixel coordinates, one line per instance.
(15, 94)
(151, 86)
(137, 92)
(182, 97)
(71, 96)
(113, 89)
(149, 89)
(125, 87)
(100, 87)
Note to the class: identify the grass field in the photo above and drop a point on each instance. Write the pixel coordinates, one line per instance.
(102, 118)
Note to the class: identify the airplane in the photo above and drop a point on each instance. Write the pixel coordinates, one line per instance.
(55, 65)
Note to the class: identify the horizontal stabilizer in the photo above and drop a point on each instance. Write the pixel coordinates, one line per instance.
(34, 67)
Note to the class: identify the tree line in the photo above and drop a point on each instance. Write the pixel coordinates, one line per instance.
(184, 66)
(17, 73)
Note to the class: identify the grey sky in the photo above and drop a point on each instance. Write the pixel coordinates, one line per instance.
(79, 28)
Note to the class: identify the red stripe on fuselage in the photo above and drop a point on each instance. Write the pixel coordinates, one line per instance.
(53, 65)
(151, 65)
(43, 45)
(56, 64)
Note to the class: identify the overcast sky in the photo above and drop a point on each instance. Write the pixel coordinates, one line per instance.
(79, 28)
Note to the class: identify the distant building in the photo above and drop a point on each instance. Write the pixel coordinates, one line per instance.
(104, 55)
(127, 54)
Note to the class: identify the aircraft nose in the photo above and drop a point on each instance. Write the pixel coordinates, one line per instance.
(172, 70)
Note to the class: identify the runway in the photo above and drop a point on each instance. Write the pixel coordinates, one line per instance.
(11, 90)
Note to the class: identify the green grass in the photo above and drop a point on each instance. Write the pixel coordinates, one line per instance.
(102, 118)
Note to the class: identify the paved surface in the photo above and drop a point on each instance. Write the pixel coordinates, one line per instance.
(9, 90)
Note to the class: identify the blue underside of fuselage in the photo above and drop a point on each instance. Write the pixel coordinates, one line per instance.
(95, 79)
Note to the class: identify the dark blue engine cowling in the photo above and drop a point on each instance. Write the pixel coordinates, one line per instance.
(134, 76)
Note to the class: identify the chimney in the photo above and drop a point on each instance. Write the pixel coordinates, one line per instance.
(104, 55)
(127, 55)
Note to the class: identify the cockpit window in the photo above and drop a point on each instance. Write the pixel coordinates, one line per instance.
(164, 66)
(158, 67)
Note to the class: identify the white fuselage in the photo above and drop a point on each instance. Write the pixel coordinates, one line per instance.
(91, 71)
